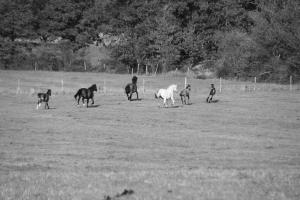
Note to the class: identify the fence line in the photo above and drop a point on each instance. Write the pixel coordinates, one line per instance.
(228, 86)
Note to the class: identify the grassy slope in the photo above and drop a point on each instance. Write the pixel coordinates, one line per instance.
(246, 146)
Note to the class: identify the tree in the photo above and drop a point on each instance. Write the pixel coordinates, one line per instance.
(277, 31)
(15, 19)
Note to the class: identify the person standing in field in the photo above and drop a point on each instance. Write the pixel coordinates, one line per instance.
(211, 93)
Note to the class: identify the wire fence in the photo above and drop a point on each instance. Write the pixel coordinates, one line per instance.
(114, 84)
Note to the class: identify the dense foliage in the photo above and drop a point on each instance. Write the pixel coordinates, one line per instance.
(234, 38)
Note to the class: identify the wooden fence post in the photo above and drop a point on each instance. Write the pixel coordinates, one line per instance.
(220, 85)
(291, 83)
(156, 69)
(62, 85)
(104, 86)
(18, 88)
(143, 86)
(254, 83)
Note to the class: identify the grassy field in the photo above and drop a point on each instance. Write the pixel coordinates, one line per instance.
(245, 146)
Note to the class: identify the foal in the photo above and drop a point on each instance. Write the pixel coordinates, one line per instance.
(131, 88)
(43, 97)
(185, 93)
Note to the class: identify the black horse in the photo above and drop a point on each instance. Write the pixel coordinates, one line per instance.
(43, 97)
(132, 88)
(185, 93)
(86, 93)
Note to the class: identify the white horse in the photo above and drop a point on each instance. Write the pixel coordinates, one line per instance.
(166, 94)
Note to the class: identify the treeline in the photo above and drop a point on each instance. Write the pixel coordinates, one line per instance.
(234, 38)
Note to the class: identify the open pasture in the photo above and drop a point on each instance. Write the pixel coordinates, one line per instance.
(245, 146)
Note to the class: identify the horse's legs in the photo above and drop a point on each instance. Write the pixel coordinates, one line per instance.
(46, 105)
(188, 96)
(137, 95)
(38, 105)
(93, 100)
(184, 99)
(173, 101)
(128, 96)
(209, 98)
(82, 101)
(181, 99)
(87, 103)
(78, 100)
(165, 101)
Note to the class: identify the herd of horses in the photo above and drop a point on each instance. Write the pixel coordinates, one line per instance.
(131, 88)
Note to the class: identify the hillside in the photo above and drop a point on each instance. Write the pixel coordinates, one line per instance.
(240, 38)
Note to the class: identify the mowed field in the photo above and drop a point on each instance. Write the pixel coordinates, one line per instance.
(244, 146)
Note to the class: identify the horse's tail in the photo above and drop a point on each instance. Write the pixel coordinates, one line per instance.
(77, 94)
(156, 95)
(127, 88)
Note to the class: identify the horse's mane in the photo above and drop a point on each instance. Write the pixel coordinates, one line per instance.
(171, 86)
(49, 92)
(93, 87)
(134, 79)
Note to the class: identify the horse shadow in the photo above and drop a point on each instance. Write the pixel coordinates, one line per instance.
(94, 106)
(177, 106)
(136, 99)
(214, 101)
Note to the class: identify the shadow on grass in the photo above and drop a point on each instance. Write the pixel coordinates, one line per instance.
(94, 106)
(177, 106)
(188, 104)
(214, 101)
(136, 100)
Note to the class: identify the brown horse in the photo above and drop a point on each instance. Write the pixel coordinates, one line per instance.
(131, 88)
(86, 93)
(43, 97)
(185, 93)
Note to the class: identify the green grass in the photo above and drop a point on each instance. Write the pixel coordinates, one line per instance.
(245, 146)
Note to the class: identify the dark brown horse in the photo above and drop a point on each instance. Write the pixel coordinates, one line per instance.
(185, 93)
(131, 88)
(86, 93)
(43, 97)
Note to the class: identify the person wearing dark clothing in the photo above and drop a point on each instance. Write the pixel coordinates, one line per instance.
(211, 93)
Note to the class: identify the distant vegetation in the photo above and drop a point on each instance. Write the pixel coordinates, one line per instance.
(238, 38)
